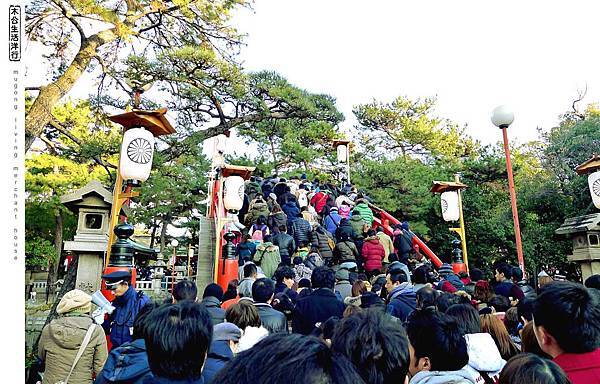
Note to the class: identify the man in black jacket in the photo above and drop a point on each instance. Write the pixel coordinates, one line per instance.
(286, 244)
(320, 305)
(211, 299)
(301, 230)
(517, 278)
(263, 291)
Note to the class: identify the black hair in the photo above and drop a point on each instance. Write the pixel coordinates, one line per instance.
(420, 275)
(325, 329)
(140, 324)
(267, 238)
(593, 281)
(177, 338)
(437, 336)
(213, 290)
(445, 300)
(571, 314)
(262, 290)
(517, 274)
(499, 302)
(466, 316)
(304, 283)
(282, 228)
(397, 276)
(393, 257)
(504, 269)
(303, 209)
(323, 277)
(476, 274)
(297, 260)
(185, 290)
(250, 270)
(532, 369)
(379, 228)
(284, 271)
(376, 344)
(371, 233)
(272, 359)
(525, 308)
(426, 297)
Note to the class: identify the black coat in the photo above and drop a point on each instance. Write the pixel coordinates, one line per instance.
(345, 251)
(213, 306)
(344, 229)
(319, 306)
(271, 319)
(275, 220)
(319, 239)
(301, 230)
(286, 244)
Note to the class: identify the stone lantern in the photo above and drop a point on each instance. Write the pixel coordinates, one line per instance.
(585, 233)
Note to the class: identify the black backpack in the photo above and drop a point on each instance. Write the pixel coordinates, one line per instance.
(282, 302)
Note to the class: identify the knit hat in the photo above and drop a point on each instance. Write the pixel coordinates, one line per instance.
(405, 225)
(213, 290)
(226, 331)
(273, 196)
(75, 301)
(333, 209)
(342, 274)
(445, 269)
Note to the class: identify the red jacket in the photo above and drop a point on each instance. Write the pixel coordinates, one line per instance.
(372, 254)
(582, 368)
(319, 200)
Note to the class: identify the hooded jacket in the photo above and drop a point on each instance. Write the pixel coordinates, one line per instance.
(332, 221)
(213, 306)
(387, 243)
(59, 344)
(344, 211)
(344, 251)
(365, 213)
(462, 376)
(218, 355)
(257, 208)
(275, 220)
(286, 245)
(268, 257)
(373, 254)
(402, 301)
(291, 211)
(126, 364)
(345, 229)
(358, 224)
(319, 200)
(484, 357)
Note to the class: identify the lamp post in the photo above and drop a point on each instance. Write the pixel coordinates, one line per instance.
(502, 117)
(342, 148)
(174, 244)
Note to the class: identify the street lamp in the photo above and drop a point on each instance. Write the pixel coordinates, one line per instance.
(502, 117)
(342, 148)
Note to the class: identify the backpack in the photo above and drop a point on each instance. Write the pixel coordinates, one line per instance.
(257, 233)
(302, 200)
(313, 261)
(282, 303)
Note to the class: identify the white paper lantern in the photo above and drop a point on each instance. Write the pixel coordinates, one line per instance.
(137, 151)
(594, 183)
(450, 210)
(233, 193)
(342, 153)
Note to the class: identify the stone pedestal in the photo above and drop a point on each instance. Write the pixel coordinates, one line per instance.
(89, 270)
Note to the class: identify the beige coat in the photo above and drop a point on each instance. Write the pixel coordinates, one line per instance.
(59, 344)
(387, 243)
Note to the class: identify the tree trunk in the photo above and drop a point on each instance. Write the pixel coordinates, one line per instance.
(40, 112)
(153, 234)
(163, 234)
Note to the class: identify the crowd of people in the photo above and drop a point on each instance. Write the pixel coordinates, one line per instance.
(324, 297)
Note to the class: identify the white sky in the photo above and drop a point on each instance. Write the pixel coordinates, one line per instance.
(474, 55)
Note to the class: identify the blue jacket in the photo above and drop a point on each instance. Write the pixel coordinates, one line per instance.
(402, 301)
(301, 230)
(121, 320)
(164, 380)
(332, 221)
(291, 211)
(218, 355)
(245, 249)
(126, 364)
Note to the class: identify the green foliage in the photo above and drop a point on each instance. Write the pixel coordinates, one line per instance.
(39, 251)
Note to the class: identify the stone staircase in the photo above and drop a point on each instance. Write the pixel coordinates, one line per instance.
(206, 254)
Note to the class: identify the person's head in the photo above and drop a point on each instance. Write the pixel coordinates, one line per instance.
(371, 233)
(529, 342)
(246, 238)
(532, 369)
(232, 285)
(185, 290)
(466, 316)
(323, 277)
(250, 270)
(436, 343)
(525, 309)
(427, 297)
(177, 338)
(567, 318)
(304, 283)
(263, 290)
(303, 209)
(517, 274)
(276, 208)
(503, 272)
(75, 301)
(379, 229)
(243, 314)
(483, 291)
(420, 275)
(262, 220)
(445, 300)
(213, 290)
(377, 345)
(342, 275)
(393, 257)
(297, 260)
(593, 281)
(499, 303)
(118, 282)
(511, 320)
(285, 275)
(490, 323)
(358, 288)
(140, 324)
(283, 228)
(394, 278)
(229, 333)
(273, 358)
(543, 280)
(476, 274)
(267, 238)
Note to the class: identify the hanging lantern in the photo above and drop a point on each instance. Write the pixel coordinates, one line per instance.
(233, 193)
(342, 153)
(136, 154)
(594, 183)
(450, 210)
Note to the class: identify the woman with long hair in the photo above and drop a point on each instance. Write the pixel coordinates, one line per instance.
(491, 324)
(483, 293)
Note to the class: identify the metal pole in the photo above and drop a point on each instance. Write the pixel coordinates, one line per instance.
(462, 224)
(513, 202)
(348, 163)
